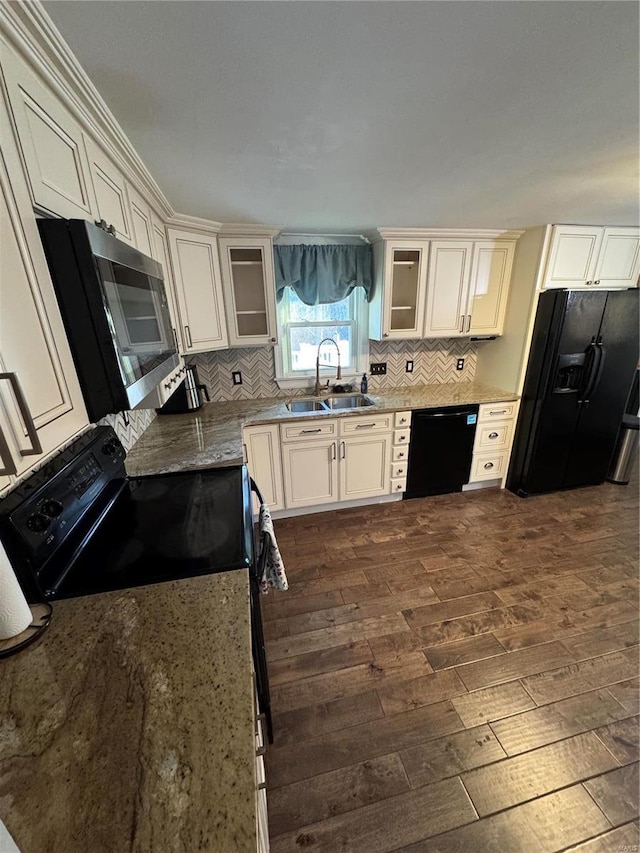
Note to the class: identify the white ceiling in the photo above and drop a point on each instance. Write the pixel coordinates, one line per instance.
(351, 115)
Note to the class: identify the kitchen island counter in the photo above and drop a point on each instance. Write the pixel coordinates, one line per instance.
(129, 725)
(212, 436)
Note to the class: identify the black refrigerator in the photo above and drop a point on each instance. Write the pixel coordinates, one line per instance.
(583, 357)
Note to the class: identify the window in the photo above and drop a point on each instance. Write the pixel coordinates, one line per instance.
(301, 328)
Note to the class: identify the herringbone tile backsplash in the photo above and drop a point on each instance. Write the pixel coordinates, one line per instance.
(129, 426)
(434, 361)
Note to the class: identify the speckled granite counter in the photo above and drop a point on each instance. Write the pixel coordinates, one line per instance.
(212, 437)
(128, 726)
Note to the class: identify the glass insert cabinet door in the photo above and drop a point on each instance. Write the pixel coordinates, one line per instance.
(405, 286)
(249, 290)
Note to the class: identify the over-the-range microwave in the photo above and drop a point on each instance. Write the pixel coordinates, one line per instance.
(114, 307)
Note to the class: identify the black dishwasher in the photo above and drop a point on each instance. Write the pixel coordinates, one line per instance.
(441, 449)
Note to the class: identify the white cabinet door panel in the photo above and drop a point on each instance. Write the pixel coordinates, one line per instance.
(490, 277)
(310, 473)
(33, 344)
(52, 146)
(140, 222)
(365, 466)
(111, 193)
(194, 260)
(264, 461)
(619, 259)
(248, 280)
(573, 255)
(448, 289)
(161, 254)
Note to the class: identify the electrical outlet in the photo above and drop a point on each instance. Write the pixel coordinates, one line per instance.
(237, 377)
(378, 368)
(409, 367)
(460, 364)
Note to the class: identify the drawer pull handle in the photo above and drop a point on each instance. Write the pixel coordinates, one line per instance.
(501, 412)
(399, 487)
(365, 426)
(307, 431)
(403, 420)
(400, 455)
(402, 438)
(488, 464)
(493, 435)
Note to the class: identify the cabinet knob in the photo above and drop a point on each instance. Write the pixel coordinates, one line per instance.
(488, 464)
(493, 435)
(385, 335)
(588, 282)
(597, 281)
(273, 340)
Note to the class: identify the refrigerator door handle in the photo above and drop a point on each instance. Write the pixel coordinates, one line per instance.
(589, 364)
(596, 372)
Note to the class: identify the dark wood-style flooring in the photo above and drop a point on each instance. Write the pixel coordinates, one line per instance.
(457, 673)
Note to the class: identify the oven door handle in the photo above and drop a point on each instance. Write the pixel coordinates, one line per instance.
(265, 539)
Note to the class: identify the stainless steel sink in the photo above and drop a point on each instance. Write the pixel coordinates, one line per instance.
(348, 401)
(306, 406)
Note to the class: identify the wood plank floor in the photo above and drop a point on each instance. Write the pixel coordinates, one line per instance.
(457, 673)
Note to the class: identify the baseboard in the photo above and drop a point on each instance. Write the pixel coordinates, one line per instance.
(310, 510)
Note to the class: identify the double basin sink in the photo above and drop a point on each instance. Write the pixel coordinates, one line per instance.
(329, 404)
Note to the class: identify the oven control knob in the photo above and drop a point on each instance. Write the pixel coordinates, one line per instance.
(52, 508)
(38, 523)
(109, 448)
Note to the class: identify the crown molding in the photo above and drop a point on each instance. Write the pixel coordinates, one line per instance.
(448, 234)
(194, 223)
(246, 229)
(32, 34)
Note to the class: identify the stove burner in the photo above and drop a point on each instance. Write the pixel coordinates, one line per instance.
(181, 543)
(131, 552)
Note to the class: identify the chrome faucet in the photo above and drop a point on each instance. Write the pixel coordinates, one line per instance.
(319, 387)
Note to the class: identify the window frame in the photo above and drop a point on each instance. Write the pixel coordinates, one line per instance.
(358, 322)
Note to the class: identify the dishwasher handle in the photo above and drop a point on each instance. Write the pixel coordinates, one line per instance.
(443, 414)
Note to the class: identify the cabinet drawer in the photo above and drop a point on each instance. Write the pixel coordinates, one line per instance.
(401, 436)
(496, 412)
(308, 429)
(400, 454)
(489, 466)
(398, 469)
(399, 485)
(366, 424)
(402, 419)
(493, 436)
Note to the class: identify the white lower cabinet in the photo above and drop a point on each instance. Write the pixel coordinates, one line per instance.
(264, 460)
(327, 461)
(364, 466)
(310, 469)
(41, 404)
(492, 445)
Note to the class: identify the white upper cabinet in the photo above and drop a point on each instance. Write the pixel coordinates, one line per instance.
(618, 262)
(140, 222)
(249, 290)
(467, 287)
(160, 252)
(41, 404)
(111, 193)
(51, 144)
(448, 289)
(397, 307)
(592, 256)
(489, 286)
(196, 269)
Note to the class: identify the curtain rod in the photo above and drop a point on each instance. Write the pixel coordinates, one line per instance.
(308, 234)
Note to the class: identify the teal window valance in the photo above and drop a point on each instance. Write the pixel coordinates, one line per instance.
(322, 274)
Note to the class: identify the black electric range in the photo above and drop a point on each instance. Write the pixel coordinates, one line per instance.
(80, 526)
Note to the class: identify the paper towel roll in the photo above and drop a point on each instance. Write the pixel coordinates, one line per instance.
(15, 615)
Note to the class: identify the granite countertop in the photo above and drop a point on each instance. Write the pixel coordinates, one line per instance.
(212, 436)
(129, 725)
